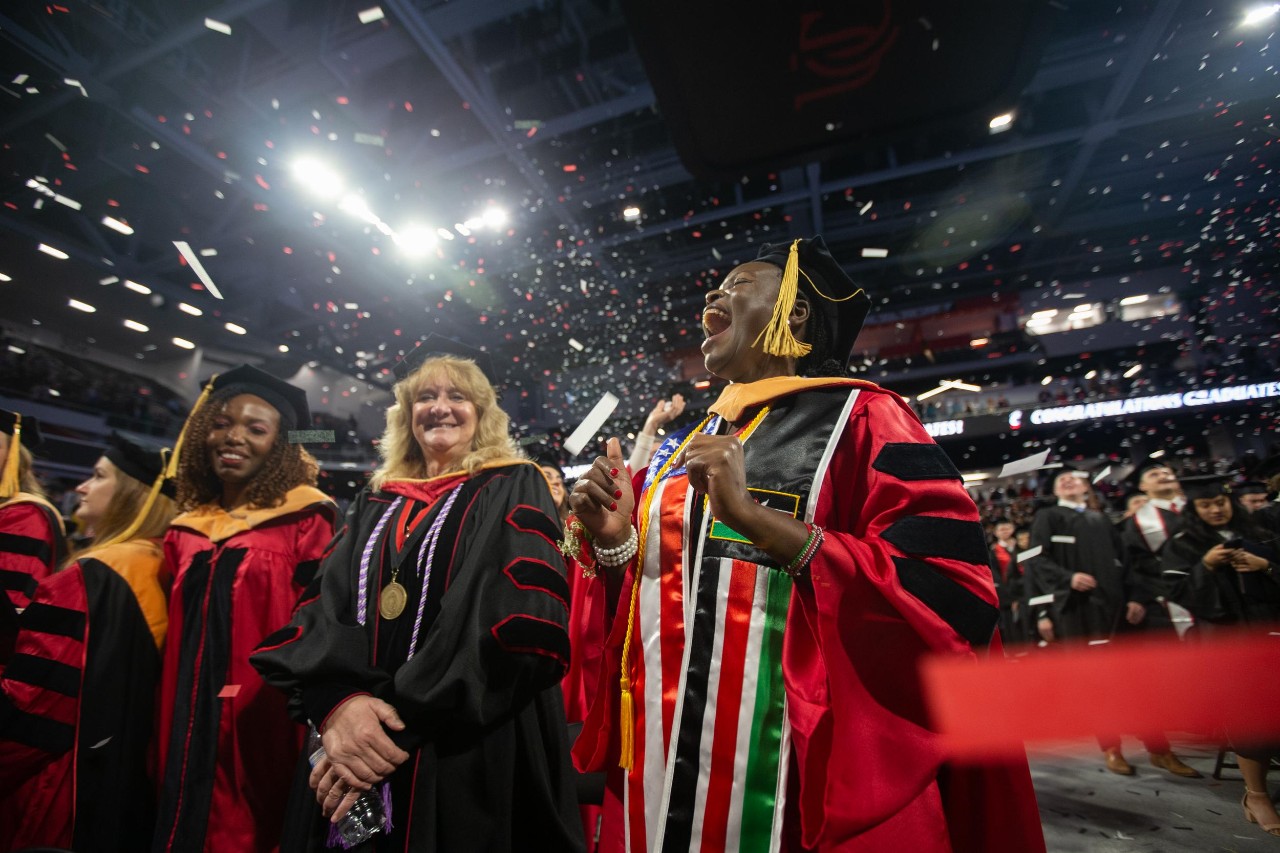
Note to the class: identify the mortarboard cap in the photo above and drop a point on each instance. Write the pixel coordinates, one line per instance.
(1134, 478)
(141, 462)
(1267, 468)
(842, 303)
(30, 427)
(435, 345)
(1251, 487)
(289, 400)
(1205, 486)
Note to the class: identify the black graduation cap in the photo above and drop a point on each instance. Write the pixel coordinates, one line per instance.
(841, 302)
(1134, 477)
(1251, 487)
(1205, 486)
(141, 463)
(434, 345)
(289, 400)
(30, 427)
(1267, 468)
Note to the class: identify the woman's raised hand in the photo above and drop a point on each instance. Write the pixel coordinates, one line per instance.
(602, 498)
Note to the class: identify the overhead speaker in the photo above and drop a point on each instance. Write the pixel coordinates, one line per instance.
(746, 87)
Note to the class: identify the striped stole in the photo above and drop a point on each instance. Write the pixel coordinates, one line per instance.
(712, 741)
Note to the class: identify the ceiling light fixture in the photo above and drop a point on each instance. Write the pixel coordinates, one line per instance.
(189, 309)
(236, 328)
(494, 217)
(416, 240)
(1258, 14)
(51, 251)
(1135, 300)
(81, 306)
(1000, 123)
(136, 326)
(137, 288)
(184, 343)
(117, 225)
(318, 178)
(1132, 371)
(631, 213)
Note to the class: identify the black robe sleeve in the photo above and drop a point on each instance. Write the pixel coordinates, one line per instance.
(1045, 576)
(1188, 581)
(322, 657)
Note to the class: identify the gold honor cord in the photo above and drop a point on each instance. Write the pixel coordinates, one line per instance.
(626, 713)
(171, 470)
(10, 483)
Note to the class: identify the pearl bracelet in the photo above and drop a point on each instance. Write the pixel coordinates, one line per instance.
(614, 557)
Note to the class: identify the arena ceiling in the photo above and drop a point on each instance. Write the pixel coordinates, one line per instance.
(352, 176)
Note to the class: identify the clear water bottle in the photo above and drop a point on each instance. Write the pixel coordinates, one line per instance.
(366, 818)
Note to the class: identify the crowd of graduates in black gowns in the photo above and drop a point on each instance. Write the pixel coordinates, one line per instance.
(1190, 556)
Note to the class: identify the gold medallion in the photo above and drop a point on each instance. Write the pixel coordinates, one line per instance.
(392, 600)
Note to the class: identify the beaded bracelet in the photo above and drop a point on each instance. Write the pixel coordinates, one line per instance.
(801, 561)
(613, 557)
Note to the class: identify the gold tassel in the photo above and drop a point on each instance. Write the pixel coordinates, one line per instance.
(136, 525)
(171, 470)
(778, 339)
(627, 734)
(11, 483)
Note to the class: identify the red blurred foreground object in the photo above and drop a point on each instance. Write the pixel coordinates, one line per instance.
(1139, 687)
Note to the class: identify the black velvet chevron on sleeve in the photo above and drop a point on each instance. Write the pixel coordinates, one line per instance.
(970, 616)
(533, 520)
(908, 460)
(51, 619)
(935, 536)
(528, 573)
(520, 633)
(42, 672)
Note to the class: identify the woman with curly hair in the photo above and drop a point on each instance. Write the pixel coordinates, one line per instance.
(428, 653)
(249, 540)
(77, 703)
(32, 538)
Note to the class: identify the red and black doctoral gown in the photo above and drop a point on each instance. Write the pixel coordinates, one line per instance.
(587, 618)
(772, 714)
(225, 743)
(78, 703)
(32, 545)
(479, 692)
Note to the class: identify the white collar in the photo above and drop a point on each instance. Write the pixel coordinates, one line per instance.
(1174, 505)
(1071, 504)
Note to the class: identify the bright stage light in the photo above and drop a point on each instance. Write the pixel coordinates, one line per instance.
(317, 177)
(416, 240)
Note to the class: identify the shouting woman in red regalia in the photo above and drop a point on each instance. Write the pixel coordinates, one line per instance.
(791, 561)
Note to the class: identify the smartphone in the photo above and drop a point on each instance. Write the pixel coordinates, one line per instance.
(1235, 542)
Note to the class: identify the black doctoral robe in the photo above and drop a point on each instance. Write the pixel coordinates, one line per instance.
(1080, 541)
(489, 765)
(1221, 597)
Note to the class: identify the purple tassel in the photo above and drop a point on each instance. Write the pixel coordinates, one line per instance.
(386, 807)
